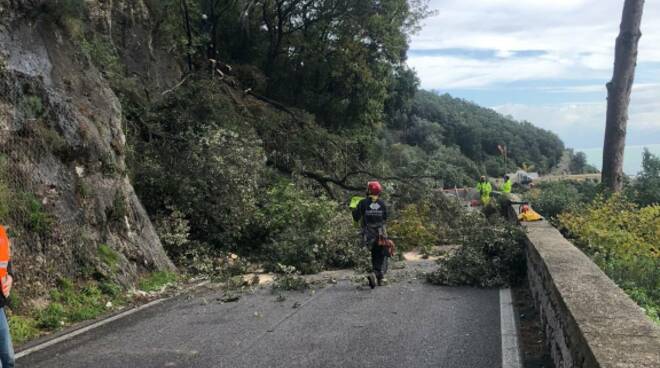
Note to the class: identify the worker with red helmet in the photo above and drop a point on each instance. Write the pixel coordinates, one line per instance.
(371, 213)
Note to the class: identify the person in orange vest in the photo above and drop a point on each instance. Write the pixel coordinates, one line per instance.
(6, 280)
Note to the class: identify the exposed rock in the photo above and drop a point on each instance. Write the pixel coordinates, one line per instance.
(62, 139)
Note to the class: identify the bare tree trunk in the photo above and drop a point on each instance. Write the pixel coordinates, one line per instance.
(186, 18)
(618, 94)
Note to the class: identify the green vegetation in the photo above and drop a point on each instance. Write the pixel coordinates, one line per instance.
(119, 208)
(265, 175)
(645, 189)
(282, 115)
(100, 51)
(619, 232)
(289, 279)
(308, 233)
(490, 254)
(553, 198)
(69, 303)
(22, 209)
(308, 51)
(415, 229)
(72, 303)
(23, 329)
(157, 281)
(32, 107)
(35, 217)
(578, 164)
(5, 201)
(477, 132)
(623, 240)
(108, 256)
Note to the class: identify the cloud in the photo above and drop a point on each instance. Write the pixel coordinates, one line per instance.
(583, 124)
(574, 35)
(459, 72)
(519, 53)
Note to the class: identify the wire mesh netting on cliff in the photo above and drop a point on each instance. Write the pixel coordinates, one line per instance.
(42, 213)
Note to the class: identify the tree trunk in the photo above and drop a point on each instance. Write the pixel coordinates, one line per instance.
(186, 18)
(618, 94)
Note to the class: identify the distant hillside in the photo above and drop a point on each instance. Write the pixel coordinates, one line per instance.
(478, 131)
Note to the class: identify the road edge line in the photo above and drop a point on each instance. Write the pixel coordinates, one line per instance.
(82, 330)
(510, 346)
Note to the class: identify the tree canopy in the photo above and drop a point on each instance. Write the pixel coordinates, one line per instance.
(343, 60)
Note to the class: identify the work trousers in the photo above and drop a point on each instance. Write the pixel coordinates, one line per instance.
(379, 258)
(6, 348)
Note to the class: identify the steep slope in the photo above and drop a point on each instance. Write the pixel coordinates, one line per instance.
(64, 186)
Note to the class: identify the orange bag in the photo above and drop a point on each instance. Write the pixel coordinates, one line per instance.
(387, 243)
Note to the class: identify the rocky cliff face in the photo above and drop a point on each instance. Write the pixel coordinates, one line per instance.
(64, 187)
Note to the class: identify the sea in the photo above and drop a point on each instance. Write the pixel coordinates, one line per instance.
(632, 157)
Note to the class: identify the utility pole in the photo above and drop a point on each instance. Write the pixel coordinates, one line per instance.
(618, 94)
(504, 151)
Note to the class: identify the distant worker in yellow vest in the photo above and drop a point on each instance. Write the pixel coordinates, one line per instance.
(484, 188)
(6, 280)
(506, 188)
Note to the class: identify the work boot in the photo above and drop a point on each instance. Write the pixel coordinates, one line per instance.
(382, 281)
(372, 280)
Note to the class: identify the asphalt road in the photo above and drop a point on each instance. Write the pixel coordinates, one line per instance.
(407, 324)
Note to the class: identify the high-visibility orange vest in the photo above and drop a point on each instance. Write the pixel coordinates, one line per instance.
(4, 252)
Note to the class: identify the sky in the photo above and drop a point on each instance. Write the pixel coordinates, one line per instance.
(544, 61)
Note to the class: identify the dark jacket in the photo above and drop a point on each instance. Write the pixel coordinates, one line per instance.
(372, 217)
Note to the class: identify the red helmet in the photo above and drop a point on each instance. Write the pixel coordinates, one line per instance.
(374, 188)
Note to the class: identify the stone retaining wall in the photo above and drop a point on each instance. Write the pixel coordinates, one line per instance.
(588, 320)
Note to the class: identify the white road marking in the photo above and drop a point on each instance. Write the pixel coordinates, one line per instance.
(510, 347)
(98, 324)
(75, 333)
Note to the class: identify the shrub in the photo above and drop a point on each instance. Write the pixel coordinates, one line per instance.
(75, 303)
(52, 316)
(622, 239)
(70, 303)
(22, 329)
(157, 281)
(174, 231)
(30, 213)
(414, 228)
(108, 256)
(210, 171)
(289, 279)
(615, 227)
(645, 189)
(306, 232)
(88, 304)
(551, 199)
(102, 53)
(110, 289)
(32, 107)
(201, 259)
(491, 255)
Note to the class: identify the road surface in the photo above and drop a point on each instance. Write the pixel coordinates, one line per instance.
(406, 324)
